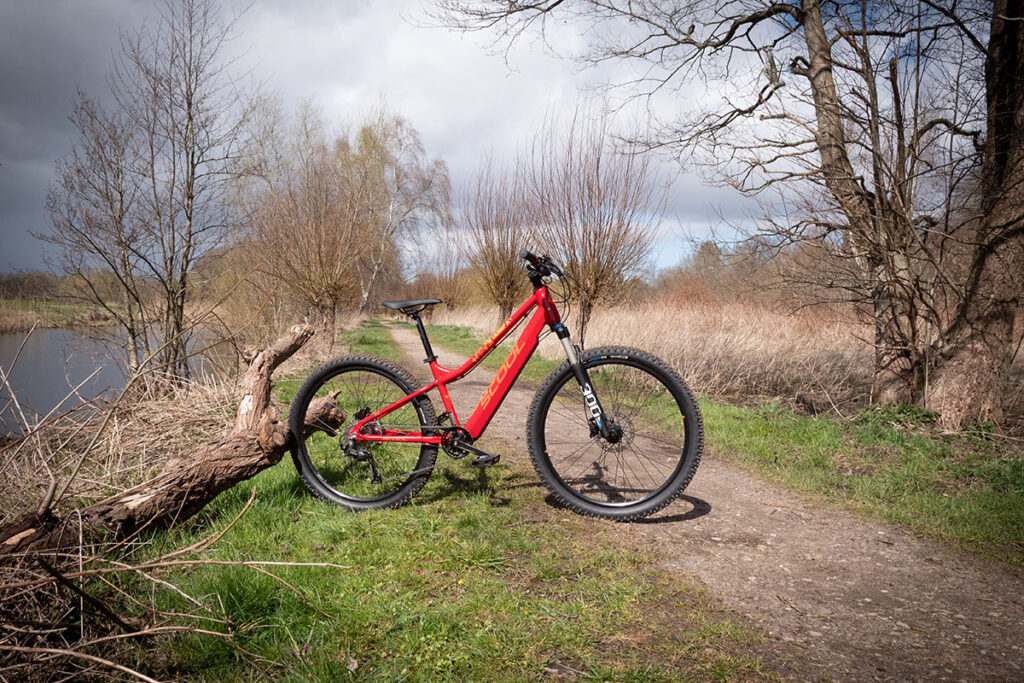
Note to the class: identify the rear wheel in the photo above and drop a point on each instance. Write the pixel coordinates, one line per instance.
(658, 435)
(362, 475)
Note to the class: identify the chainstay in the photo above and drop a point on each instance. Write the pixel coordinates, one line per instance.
(435, 466)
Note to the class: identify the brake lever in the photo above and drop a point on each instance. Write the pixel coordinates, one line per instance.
(552, 266)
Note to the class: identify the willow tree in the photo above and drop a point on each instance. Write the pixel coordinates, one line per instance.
(883, 132)
(594, 206)
(496, 220)
(328, 210)
(407, 195)
(308, 225)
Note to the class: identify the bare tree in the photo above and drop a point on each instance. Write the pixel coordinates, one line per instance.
(142, 195)
(328, 211)
(91, 211)
(443, 271)
(306, 212)
(873, 120)
(407, 192)
(975, 344)
(597, 208)
(495, 216)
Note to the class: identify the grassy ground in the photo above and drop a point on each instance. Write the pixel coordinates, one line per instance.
(890, 463)
(470, 581)
(477, 579)
(17, 315)
(886, 462)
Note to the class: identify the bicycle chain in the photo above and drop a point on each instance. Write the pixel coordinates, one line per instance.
(433, 467)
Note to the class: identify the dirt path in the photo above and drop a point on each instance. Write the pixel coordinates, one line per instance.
(853, 599)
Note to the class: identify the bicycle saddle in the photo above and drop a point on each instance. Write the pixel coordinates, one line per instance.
(409, 305)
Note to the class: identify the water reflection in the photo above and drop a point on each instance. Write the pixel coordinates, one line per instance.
(54, 361)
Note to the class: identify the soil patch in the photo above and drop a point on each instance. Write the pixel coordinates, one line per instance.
(840, 596)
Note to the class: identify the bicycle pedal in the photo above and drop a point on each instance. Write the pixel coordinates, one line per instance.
(486, 460)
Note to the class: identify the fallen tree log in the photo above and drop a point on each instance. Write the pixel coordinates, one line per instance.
(186, 484)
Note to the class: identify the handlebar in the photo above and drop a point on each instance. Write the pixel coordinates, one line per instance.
(540, 264)
(528, 256)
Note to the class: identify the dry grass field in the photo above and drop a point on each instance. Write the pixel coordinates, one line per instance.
(735, 351)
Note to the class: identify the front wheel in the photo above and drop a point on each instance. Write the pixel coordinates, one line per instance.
(659, 435)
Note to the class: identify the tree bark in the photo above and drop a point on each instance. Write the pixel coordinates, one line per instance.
(967, 388)
(186, 484)
(893, 372)
(969, 368)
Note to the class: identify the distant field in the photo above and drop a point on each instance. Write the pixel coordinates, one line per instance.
(887, 462)
(20, 315)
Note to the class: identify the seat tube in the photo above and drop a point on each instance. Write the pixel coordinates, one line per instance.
(431, 356)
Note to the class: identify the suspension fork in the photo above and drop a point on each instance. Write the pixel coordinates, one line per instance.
(607, 430)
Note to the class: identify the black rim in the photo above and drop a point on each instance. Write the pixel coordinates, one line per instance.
(349, 477)
(639, 468)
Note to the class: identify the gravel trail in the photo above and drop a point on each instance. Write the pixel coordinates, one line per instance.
(846, 598)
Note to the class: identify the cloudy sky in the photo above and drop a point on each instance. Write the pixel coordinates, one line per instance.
(348, 55)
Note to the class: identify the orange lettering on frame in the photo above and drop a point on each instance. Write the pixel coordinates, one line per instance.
(499, 376)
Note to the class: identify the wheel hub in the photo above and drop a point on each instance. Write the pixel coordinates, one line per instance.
(621, 434)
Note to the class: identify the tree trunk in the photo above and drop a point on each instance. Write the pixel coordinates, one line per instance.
(969, 369)
(330, 323)
(323, 313)
(894, 376)
(364, 301)
(894, 371)
(186, 484)
(967, 387)
(582, 320)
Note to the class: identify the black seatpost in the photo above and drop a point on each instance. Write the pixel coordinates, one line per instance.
(431, 357)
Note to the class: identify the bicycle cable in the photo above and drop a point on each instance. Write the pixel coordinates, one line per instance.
(566, 282)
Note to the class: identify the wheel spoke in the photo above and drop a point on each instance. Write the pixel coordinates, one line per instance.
(362, 473)
(646, 461)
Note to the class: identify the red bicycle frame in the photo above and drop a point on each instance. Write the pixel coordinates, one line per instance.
(504, 378)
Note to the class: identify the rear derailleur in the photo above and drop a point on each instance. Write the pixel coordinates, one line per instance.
(360, 454)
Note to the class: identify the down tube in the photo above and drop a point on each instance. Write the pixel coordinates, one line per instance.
(506, 376)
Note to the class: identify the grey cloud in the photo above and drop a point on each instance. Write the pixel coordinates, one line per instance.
(346, 55)
(47, 51)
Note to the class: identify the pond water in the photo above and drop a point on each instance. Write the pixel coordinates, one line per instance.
(51, 364)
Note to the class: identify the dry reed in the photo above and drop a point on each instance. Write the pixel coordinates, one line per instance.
(732, 351)
(63, 613)
(142, 434)
(18, 320)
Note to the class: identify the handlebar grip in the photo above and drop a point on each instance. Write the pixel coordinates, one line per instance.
(524, 254)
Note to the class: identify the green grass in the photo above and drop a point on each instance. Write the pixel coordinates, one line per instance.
(370, 337)
(23, 313)
(888, 463)
(478, 578)
(464, 583)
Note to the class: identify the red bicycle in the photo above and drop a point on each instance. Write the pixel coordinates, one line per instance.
(613, 432)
